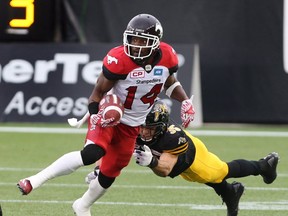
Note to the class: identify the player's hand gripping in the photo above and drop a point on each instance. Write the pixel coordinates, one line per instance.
(144, 157)
(187, 112)
(97, 119)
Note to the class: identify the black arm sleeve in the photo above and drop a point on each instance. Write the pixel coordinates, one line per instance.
(93, 108)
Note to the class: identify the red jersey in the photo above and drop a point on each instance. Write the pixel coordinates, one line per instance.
(138, 88)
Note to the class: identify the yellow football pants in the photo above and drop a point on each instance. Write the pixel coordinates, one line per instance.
(206, 167)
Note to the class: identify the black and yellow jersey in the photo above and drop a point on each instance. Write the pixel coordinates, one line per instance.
(174, 141)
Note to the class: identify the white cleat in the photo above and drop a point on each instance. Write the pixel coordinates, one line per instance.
(80, 211)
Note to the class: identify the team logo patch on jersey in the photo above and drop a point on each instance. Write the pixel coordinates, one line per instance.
(158, 72)
(182, 140)
(111, 59)
(137, 74)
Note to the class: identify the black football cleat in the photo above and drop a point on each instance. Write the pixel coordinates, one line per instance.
(268, 167)
(232, 197)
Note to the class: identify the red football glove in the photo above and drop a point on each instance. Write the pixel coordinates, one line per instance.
(187, 112)
(97, 119)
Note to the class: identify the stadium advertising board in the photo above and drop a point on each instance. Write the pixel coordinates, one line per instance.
(51, 82)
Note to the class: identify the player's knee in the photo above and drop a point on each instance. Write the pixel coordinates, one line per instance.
(91, 153)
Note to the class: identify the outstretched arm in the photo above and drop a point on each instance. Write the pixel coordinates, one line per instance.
(161, 167)
(165, 165)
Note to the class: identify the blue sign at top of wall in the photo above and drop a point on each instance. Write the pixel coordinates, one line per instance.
(158, 72)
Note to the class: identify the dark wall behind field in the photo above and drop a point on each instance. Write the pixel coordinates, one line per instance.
(242, 73)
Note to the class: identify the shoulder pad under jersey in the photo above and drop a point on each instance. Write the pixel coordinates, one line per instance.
(117, 62)
(169, 57)
(174, 141)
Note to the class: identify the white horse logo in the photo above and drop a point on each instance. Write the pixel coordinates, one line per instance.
(111, 59)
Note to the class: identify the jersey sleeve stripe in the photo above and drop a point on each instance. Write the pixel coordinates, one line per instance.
(112, 76)
(181, 149)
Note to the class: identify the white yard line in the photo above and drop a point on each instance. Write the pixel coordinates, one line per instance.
(277, 205)
(86, 170)
(156, 187)
(42, 130)
(281, 205)
(194, 132)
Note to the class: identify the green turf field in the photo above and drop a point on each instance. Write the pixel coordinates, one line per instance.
(138, 191)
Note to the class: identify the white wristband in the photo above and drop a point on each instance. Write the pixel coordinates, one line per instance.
(171, 88)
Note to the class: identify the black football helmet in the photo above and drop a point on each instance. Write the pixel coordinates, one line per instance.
(144, 26)
(158, 117)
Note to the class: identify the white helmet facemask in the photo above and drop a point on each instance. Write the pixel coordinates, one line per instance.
(152, 43)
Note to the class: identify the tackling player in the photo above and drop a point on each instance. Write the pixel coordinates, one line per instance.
(170, 151)
(137, 72)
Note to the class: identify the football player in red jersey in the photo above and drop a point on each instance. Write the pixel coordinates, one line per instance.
(136, 72)
(170, 151)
